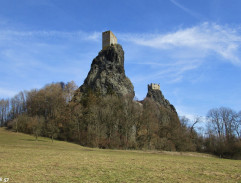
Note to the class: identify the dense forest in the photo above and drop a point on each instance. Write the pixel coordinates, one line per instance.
(118, 122)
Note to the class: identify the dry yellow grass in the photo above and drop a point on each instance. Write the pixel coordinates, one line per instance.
(22, 159)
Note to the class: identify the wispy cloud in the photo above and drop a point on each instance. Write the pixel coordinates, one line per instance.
(48, 54)
(173, 72)
(79, 35)
(184, 50)
(32, 59)
(190, 12)
(206, 38)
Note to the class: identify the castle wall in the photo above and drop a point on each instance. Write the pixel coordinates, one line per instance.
(154, 86)
(108, 38)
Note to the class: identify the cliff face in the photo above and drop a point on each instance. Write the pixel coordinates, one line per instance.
(158, 97)
(107, 74)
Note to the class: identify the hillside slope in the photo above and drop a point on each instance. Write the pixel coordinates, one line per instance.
(22, 159)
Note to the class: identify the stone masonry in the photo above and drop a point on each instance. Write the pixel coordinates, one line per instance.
(154, 86)
(108, 38)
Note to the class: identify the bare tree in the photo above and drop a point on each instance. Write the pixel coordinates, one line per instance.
(215, 124)
(77, 117)
(237, 125)
(184, 121)
(35, 125)
(52, 129)
(196, 120)
(222, 122)
(69, 91)
(2, 112)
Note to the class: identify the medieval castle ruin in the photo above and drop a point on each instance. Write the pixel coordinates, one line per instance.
(154, 86)
(108, 38)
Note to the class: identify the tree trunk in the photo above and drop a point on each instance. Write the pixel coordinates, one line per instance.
(17, 126)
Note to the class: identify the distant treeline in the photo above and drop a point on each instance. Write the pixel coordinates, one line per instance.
(118, 122)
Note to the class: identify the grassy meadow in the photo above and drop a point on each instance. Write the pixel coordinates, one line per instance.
(22, 159)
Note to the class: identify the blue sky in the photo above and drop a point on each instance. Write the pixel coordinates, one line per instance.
(192, 48)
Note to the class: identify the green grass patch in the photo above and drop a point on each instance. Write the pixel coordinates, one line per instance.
(22, 159)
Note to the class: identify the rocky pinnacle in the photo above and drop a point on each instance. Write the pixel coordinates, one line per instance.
(107, 74)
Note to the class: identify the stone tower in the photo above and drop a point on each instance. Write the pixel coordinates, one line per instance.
(108, 38)
(155, 93)
(154, 86)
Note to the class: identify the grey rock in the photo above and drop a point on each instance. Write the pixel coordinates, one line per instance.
(158, 97)
(107, 74)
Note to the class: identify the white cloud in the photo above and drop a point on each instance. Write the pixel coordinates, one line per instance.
(177, 56)
(196, 42)
(26, 52)
(95, 36)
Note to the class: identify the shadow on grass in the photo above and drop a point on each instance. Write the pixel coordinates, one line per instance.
(86, 150)
(34, 140)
